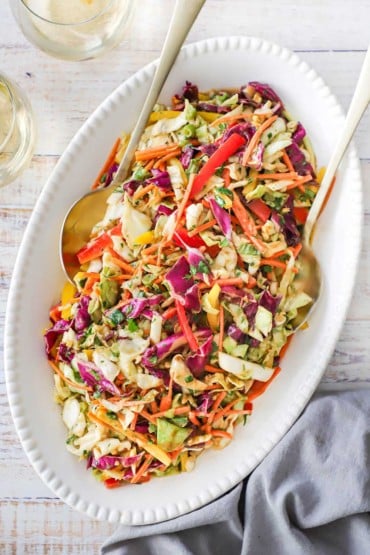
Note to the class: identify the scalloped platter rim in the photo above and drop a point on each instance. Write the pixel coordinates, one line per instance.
(37, 279)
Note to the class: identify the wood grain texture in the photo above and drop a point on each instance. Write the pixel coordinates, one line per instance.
(325, 33)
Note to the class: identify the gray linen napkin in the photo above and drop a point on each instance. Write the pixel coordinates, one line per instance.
(310, 495)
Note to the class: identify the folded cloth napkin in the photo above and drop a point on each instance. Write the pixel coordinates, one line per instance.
(310, 495)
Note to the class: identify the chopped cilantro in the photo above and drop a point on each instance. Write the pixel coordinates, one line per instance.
(153, 359)
(112, 415)
(140, 174)
(117, 317)
(266, 268)
(132, 325)
(189, 379)
(202, 268)
(71, 439)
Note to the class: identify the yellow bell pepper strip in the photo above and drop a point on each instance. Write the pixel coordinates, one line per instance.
(68, 292)
(214, 301)
(145, 238)
(170, 114)
(222, 154)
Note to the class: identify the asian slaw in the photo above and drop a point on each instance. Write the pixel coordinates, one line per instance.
(184, 303)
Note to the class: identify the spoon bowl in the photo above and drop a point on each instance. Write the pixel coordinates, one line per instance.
(309, 279)
(89, 210)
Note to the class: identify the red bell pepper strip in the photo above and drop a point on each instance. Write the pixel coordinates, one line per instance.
(185, 326)
(223, 153)
(260, 209)
(94, 248)
(112, 483)
(181, 236)
(116, 230)
(300, 214)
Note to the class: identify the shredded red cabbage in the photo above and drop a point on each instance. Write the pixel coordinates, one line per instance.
(82, 318)
(53, 333)
(197, 361)
(222, 217)
(94, 378)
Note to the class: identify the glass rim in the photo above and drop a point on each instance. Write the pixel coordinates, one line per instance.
(5, 82)
(66, 24)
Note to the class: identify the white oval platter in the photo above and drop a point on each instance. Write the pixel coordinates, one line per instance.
(38, 278)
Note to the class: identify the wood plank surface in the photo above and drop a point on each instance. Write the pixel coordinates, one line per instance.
(331, 35)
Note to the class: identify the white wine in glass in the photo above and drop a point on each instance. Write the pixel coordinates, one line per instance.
(17, 135)
(73, 29)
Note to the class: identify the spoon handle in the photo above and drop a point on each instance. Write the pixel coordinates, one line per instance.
(359, 103)
(183, 17)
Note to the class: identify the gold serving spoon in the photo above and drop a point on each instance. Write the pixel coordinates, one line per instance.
(90, 209)
(309, 279)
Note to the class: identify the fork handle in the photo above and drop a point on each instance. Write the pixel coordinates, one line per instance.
(359, 103)
(183, 17)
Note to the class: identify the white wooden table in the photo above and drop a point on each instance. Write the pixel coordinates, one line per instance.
(331, 35)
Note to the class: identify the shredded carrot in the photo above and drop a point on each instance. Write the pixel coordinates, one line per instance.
(153, 407)
(91, 416)
(134, 421)
(75, 385)
(296, 250)
(221, 327)
(231, 118)
(287, 161)
(150, 260)
(299, 182)
(277, 176)
(156, 152)
(221, 433)
(166, 157)
(90, 284)
(148, 416)
(220, 397)
(284, 348)
(121, 277)
(226, 176)
(273, 262)
(202, 227)
(142, 192)
(169, 313)
(150, 250)
(260, 387)
(252, 282)
(175, 453)
(193, 419)
(222, 412)
(184, 201)
(276, 264)
(144, 467)
(246, 222)
(123, 265)
(177, 411)
(107, 164)
(256, 137)
(185, 326)
(149, 165)
(166, 400)
(213, 369)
